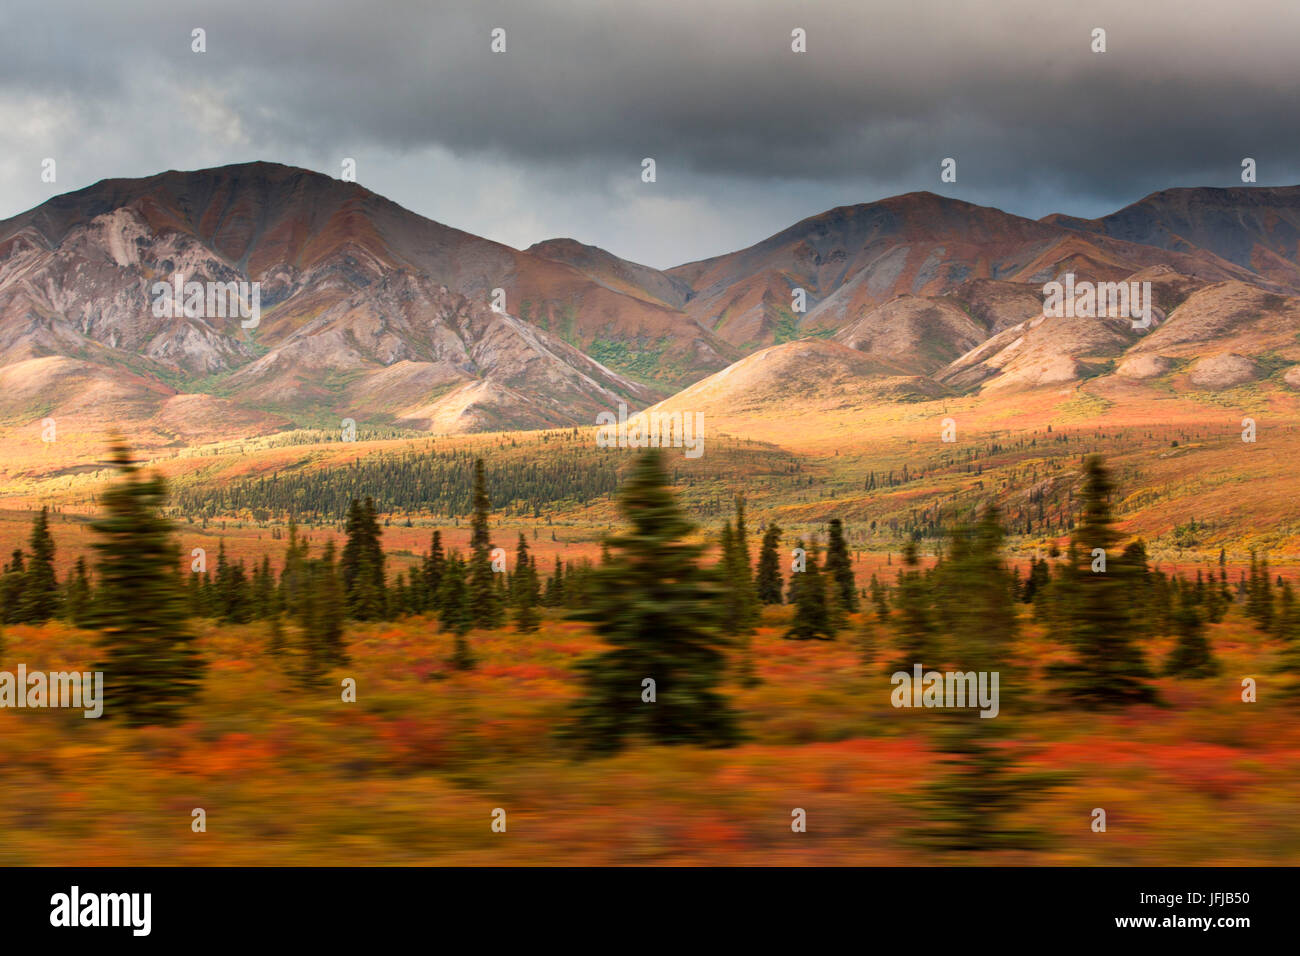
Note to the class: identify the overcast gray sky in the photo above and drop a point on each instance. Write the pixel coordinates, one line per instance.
(547, 138)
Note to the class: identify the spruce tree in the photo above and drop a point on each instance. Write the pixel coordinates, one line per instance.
(455, 615)
(292, 575)
(78, 596)
(321, 615)
(263, 589)
(974, 603)
(1191, 656)
(742, 573)
(484, 600)
(524, 589)
(40, 592)
(974, 804)
(362, 564)
(329, 595)
(432, 572)
(1264, 599)
(839, 568)
(1144, 599)
(151, 667)
(1288, 628)
(915, 638)
(1096, 614)
(555, 586)
(12, 583)
(741, 600)
(769, 567)
(232, 590)
(659, 612)
(879, 598)
(812, 615)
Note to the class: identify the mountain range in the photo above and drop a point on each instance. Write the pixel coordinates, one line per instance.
(371, 312)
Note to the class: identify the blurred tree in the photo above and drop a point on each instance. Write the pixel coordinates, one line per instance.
(431, 572)
(292, 580)
(362, 564)
(1094, 608)
(1191, 656)
(741, 599)
(484, 599)
(455, 615)
(525, 589)
(808, 594)
(840, 568)
(12, 582)
(879, 598)
(555, 586)
(78, 598)
(976, 801)
(151, 667)
(913, 617)
(660, 613)
(769, 567)
(39, 599)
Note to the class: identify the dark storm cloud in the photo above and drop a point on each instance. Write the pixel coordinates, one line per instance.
(711, 90)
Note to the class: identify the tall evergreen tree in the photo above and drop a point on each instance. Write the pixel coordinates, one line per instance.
(292, 575)
(431, 572)
(151, 667)
(1288, 628)
(915, 636)
(40, 594)
(974, 604)
(555, 586)
(879, 598)
(740, 603)
(839, 568)
(12, 583)
(264, 590)
(1096, 612)
(812, 615)
(525, 589)
(321, 614)
(455, 615)
(974, 804)
(1191, 656)
(484, 599)
(769, 567)
(77, 595)
(232, 590)
(362, 564)
(328, 594)
(659, 612)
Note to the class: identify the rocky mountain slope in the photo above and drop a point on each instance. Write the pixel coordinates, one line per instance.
(371, 312)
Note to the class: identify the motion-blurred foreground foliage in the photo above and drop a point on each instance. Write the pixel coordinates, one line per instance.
(1122, 693)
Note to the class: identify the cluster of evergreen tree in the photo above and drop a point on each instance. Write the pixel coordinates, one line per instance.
(441, 482)
(666, 616)
(823, 592)
(30, 592)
